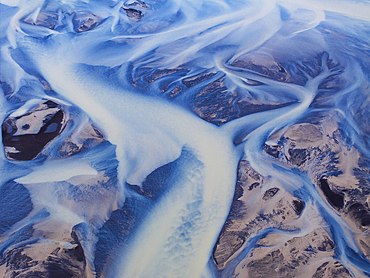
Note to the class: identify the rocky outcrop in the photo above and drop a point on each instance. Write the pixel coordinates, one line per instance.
(260, 204)
(46, 258)
(26, 135)
(306, 256)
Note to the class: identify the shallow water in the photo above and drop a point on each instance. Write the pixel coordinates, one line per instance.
(184, 138)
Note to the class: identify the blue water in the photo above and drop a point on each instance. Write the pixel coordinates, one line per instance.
(179, 92)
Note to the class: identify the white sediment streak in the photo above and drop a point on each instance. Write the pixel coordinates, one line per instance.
(177, 236)
(149, 133)
(58, 170)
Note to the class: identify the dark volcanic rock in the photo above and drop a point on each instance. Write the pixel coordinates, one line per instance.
(298, 156)
(194, 80)
(46, 18)
(229, 241)
(263, 267)
(25, 136)
(298, 206)
(17, 260)
(331, 269)
(271, 150)
(85, 137)
(84, 21)
(360, 214)
(335, 199)
(270, 193)
(274, 70)
(53, 19)
(33, 261)
(229, 105)
(297, 257)
(133, 14)
(252, 211)
(321, 152)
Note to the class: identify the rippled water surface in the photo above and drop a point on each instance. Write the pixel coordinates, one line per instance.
(185, 138)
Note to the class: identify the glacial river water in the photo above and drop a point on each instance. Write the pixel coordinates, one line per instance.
(185, 138)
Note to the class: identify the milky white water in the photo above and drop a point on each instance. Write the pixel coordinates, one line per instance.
(111, 66)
